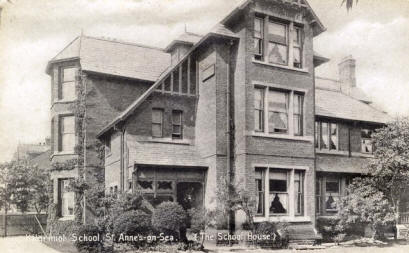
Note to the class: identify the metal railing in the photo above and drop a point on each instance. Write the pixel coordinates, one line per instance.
(404, 218)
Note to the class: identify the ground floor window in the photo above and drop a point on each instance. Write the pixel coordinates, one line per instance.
(282, 189)
(171, 184)
(66, 198)
(329, 190)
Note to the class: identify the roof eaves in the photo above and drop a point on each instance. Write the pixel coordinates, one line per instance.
(125, 114)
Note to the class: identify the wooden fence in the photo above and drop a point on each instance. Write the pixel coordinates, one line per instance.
(22, 224)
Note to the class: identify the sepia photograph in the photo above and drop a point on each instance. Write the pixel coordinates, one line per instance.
(204, 126)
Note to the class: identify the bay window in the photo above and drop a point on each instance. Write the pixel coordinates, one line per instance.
(366, 141)
(284, 111)
(66, 83)
(275, 41)
(279, 192)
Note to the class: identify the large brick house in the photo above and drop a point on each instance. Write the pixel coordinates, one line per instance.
(241, 102)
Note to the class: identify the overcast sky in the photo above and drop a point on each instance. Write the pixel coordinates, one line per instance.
(375, 32)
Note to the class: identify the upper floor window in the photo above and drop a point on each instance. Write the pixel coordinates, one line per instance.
(366, 141)
(280, 40)
(67, 133)
(326, 135)
(276, 105)
(258, 37)
(177, 124)
(157, 123)
(66, 83)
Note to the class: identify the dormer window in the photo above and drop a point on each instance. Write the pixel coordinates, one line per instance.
(278, 42)
(66, 83)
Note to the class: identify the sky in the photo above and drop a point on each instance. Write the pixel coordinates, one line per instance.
(374, 32)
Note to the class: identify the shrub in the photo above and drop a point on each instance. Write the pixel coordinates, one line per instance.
(59, 228)
(277, 235)
(170, 218)
(331, 229)
(89, 231)
(198, 220)
(132, 223)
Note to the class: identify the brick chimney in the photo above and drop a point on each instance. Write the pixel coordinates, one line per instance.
(347, 77)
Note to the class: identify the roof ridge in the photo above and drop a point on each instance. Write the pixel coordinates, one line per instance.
(123, 42)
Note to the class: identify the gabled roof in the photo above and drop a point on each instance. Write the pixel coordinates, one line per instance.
(116, 58)
(185, 38)
(335, 104)
(318, 27)
(219, 31)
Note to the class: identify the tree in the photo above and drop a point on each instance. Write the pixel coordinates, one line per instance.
(24, 185)
(389, 169)
(349, 3)
(365, 204)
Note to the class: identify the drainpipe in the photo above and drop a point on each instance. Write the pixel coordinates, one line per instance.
(84, 127)
(229, 136)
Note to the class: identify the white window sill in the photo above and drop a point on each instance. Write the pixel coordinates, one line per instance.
(67, 218)
(65, 101)
(168, 141)
(332, 152)
(63, 153)
(303, 70)
(282, 219)
(282, 136)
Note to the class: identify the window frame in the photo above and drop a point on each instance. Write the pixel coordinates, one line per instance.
(61, 192)
(290, 96)
(332, 179)
(367, 139)
(291, 29)
(266, 169)
(61, 134)
(319, 137)
(260, 110)
(177, 136)
(162, 112)
(62, 82)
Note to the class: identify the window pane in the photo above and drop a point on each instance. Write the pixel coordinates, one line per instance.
(157, 116)
(277, 53)
(259, 120)
(165, 185)
(278, 181)
(277, 122)
(67, 198)
(156, 130)
(146, 185)
(167, 84)
(298, 114)
(177, 129)
(177, 117)
(277, 32)
(332, 186)
(184, 77)
(278, 203)
(69, 74)
(296, 34)
(317, 133)
(334, 136)
(258, 98)
(366, 133)
(332, 194)
(277, 101)
(258, 28)
(68, 124)
(324, 135)
(68, 142)
(259, 191)
(299, 191)
(366, 146)
(68, 90)
(297, 55)
(176, 80)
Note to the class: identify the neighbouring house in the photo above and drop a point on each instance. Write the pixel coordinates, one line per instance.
(240, 102)
(28, 151)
